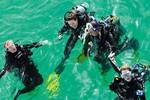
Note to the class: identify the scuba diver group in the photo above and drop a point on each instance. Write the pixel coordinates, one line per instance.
(102, 39)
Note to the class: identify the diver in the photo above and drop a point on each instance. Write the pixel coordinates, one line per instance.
(103, 37)
(130, 83)
(75, 22)
(19, 57)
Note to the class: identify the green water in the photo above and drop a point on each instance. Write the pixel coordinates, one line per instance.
(34, 20)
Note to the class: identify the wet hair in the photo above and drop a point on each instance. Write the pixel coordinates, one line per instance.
(70, 16)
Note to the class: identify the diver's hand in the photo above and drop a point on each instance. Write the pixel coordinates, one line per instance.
(44, 42)
(111, 56)
(60, 36)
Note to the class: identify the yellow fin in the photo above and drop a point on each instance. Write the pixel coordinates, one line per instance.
(81, 58)
(53, 84)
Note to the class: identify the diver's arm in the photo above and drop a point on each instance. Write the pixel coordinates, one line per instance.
(113, 63)
(8, 64)
(2, 72)
(114, 84)
(33, 45)
(62, 30)
(36, 44)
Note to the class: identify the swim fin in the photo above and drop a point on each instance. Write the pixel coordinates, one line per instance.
(81, 58)
(53, 83)
(60, 68)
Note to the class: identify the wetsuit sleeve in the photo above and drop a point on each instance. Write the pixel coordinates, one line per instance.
(2, 72)
(114, 84)
(33, 45)
(115, 66)
(6, 67)
(70, 45)
(63, 29)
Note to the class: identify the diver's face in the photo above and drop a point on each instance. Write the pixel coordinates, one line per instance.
(10, 46)
(126, 75)
(12, 49)
(73, 23)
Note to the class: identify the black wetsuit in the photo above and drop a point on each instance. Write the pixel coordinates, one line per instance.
(108, 40)
(110, 34)
(100, 48)
(27, 71)
(129, 90)
(82, 20)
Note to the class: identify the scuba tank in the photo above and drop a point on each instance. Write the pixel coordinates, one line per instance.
(82, 8)
(110, 20)
(78, 10)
